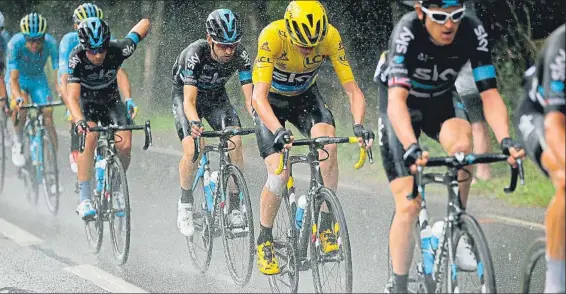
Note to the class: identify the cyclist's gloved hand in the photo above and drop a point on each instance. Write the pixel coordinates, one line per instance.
(364, 135)
(80, 127)
(283, 137)
(196, 128)
(414, 155)
(512, 148)
(132, 108)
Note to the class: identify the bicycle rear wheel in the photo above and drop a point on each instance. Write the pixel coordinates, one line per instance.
(457, 280)
(336, 263)
(534, 268)
(119, 204)
(50, 175)
(240, 258)
(284, 243)
(200, 243)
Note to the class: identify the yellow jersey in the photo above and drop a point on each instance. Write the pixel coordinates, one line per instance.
(291, 73)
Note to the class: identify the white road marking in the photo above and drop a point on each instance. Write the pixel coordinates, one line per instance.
(18, 235)
(103, 279)
(517, 222)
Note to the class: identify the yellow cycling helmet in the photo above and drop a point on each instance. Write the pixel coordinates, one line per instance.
(85, 11)
(306, 22)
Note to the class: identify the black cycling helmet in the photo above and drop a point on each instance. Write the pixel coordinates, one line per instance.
(224, 26)
(441, 3)
(94, 33)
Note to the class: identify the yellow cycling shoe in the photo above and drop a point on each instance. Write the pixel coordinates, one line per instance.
(328, 241)
(266, 261)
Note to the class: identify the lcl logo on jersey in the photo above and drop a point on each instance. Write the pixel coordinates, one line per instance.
(308, 61)
(481, 34)
(428, 74)
(403, 41)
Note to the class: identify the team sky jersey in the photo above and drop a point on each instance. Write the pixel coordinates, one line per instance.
(68, 43)
(27, 63)
(96, 77)
(291, 73)
(196, 67)
(545, 81)
(427, 70)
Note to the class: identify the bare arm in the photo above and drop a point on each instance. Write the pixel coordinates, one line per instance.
(247, 89)
(555, 134)
(398, 114)
(2, 86)
(63, 87)
(72, 101)
(142, 28)
(190, 102)
(124, 84)
(357, 101)
(495, 113)
(263, 108)
(15, 83)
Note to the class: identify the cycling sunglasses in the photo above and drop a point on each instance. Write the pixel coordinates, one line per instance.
(36, 39)
(96, 51)
(226, 46)
(441, 17)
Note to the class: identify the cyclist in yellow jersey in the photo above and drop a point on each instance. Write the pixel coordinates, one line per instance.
(290, 52)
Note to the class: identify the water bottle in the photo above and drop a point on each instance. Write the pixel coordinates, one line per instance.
(213, 180)
(436, 233)
(33, 150)
(100, 165)
(208, 191)
(426, 247)
(301, 205)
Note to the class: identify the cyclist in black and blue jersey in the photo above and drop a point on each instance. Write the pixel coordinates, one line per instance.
(70, 41)
(427, 49)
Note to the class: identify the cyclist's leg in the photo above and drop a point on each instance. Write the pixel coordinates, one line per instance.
(401, 241)
(18, 121)
(118, 115)
(92, 113)
(40, 94)
(270, 198)
(480, 132)
(223, 115)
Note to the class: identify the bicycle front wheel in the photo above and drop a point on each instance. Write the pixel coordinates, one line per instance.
(28, 172)
(119, 212)
(50, 175)
(200, 243)
(331, 254)
(534, 268)
(465, 280)
(94, 226)
(238, 239)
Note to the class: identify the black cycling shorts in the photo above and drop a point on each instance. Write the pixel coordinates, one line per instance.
(529, 124)
(214, 107)
(104, 106)
(427, 115)
(303, 111)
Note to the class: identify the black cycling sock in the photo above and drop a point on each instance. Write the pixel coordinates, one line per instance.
(187, 196)
(400, 283)
(234, 201)
(265, 234)
(74, 139)
(325, 221)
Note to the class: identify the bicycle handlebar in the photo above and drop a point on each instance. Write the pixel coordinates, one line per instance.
(113, 128)
(319, 143)
(40, 106)
(461, 160)
(225, 134)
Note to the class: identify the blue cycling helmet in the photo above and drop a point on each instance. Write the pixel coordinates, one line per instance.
(85, 11)
(441, 3)
(33, 25)
(224, 26)
(94, 33)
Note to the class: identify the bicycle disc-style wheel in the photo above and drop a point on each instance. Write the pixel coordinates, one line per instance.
(119, 204)
(534, 268)
(332, 270)
(3, 133)
(239, 242)
(284, 243)
(482, 278)
(416, 281)
(200, 243)
(50, 176)
(94, 226)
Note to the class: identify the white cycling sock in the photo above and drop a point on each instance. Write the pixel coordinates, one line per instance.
(555, 271)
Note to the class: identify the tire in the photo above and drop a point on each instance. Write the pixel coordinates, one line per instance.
(285, 244)
(29, 173)
(200, 245)
(343, 256)
(94, 226)
(118, 216)
(480, 247)
(240, 276)
(3, 131)
(50, 175)
(534, 257)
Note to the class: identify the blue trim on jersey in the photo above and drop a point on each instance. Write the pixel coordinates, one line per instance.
(416, 84)
(245, 75)
(484, 73)
(134, 37)
(450, 3)
(287, 88)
